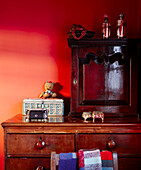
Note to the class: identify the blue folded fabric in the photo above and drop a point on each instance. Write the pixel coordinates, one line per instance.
(107, 163)
(68, 161)
(69, 155)
(68, 164)
(107, 168)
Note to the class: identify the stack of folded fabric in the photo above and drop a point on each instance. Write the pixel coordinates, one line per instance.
(107, 160)
(68, 161)
(89, 160)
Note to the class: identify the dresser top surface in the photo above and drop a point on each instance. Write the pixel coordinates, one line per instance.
(17, 120)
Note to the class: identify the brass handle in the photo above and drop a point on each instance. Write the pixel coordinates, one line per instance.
(111, 144)
(40, 144)
(40, 168)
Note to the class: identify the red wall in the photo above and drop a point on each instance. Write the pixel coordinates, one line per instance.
(33, 44)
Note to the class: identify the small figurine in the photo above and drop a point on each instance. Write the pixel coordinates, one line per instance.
(106, 28)
(98, 114)
(48, 90)
(94, 115)
(86, 115)
(121, 26)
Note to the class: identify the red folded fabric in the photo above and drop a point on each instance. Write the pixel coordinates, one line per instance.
(106, 155)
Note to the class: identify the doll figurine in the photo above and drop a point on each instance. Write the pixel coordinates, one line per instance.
(106, 28)
(48, 93)
(121, 26)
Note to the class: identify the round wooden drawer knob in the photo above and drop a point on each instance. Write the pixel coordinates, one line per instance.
(111, 144)
(40, 144)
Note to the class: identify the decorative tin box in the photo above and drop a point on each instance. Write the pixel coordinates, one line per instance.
(54, 107)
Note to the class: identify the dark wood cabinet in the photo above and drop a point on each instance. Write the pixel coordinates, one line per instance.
(121, 135)
(104, 76)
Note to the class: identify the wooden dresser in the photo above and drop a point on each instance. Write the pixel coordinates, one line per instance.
(29, 145)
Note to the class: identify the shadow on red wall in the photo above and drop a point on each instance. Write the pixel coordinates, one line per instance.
(57, 89)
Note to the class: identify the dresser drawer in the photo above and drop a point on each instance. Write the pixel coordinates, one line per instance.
(27, 163)
(129, 163)
(30, 144)
(124, 143)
